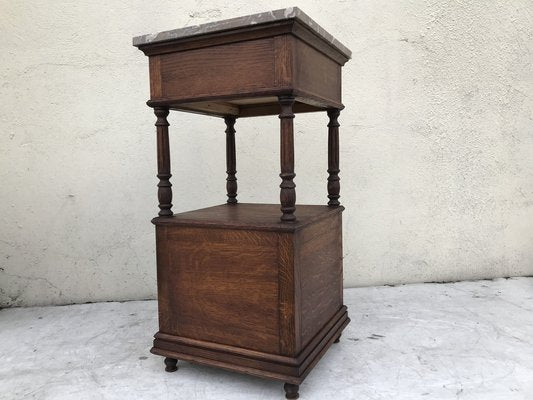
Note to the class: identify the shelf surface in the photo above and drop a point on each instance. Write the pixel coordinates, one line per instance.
(249, 216)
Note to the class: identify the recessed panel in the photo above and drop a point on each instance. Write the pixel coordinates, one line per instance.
(221, 286)
(221, 70)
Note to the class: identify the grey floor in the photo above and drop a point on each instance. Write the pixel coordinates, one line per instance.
(466, 340)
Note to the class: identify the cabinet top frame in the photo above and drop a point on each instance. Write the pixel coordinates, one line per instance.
(241, 66)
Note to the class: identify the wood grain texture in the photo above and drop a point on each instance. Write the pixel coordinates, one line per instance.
(204, 74)
(320, 264)
(248, 216)
(220, 70)
(156, 89)
(221, 287)
(323, 80)
(283, 53)
(267, 300)
(294, 371)
(289, 322)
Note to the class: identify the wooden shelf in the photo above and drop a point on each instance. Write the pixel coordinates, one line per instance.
(249, 216)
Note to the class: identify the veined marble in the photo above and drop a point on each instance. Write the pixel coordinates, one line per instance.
(239, 22)
(465, 340)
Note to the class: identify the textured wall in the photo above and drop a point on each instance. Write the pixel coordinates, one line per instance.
(436, 161)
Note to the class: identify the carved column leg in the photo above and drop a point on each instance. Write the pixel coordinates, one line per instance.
(288, 192)
(164, 193)
(231, 180)
(334, 185)
(291, 391)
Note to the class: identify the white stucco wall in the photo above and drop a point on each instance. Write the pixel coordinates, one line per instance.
(436, 161)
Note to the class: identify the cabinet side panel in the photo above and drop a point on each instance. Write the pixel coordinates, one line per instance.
(221, 286)
(154, 63)
(164, 293)
(316, 74)
(320, 265)
(289, 309)
(284, 45)
(227, 69)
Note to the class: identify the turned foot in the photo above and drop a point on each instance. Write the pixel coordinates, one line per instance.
(291, 391)
(338, 339)
(171, 364)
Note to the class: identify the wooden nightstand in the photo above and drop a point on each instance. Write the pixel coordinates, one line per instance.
(249, 287)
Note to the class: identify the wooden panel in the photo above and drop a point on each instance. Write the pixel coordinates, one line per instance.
(235, 359)
(220, 70)
(284, 56)
(154, 63)
(289, 321)
(220, 285)
(320, 271)
(210, 108)
(316, 74)
(259, 364)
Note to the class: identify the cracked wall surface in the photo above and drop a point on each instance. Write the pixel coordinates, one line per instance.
(436, 158)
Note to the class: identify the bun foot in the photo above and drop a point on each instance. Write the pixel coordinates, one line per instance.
(291, 391)
(338, 339)
(170, 364)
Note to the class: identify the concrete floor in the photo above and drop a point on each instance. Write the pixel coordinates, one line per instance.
(466, 340)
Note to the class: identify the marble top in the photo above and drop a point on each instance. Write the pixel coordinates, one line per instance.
(239, 22)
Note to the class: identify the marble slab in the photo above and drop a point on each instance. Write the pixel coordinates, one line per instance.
(240, 22)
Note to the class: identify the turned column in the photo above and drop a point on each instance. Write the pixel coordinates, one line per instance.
(164, 192)
(334, 185)
(288, 192)
(231, 180)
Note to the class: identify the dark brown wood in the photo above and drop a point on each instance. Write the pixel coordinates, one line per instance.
(245, 361)
(164, 192)
(209, 296)
(289, 329)
(171, 364)
(247, 357)
(266, 62)
(233, 291)
(338, 339)
(334, 185)
(255, 104)
(291, 391)
(320, 261)
(239, 287)
(231, 163)
(323, 80)
(244, 66)
(288, 188)
(263, 217)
